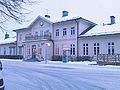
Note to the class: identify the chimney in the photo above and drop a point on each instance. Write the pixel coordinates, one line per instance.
(64, 13)
(112, 20)
(47, 16)
(6, 35)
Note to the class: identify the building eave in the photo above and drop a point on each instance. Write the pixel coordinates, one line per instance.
(21, 29)
(82, 36)
(14, 43)
(75, 18)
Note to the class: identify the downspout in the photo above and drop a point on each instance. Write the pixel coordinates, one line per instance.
(53, 39)
(53, 48)
(17, 44)
(77, 22)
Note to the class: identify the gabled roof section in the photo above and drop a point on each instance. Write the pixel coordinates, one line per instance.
(89, 28)
(29, 26)
(54, 21)
(64, 19)
(40, 17)
(103, 30)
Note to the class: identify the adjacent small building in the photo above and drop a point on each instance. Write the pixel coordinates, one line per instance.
(102, 39)
(8, 45)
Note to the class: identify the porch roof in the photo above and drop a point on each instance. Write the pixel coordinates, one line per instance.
(8, 41)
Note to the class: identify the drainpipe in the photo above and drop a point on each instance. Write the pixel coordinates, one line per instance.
(77, 22)
(53, 39)
(53, 48)
(17, 44)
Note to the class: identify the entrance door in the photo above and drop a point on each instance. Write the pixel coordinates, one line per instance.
(33, 51)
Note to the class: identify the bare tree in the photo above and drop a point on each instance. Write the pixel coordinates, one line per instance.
(13, 9)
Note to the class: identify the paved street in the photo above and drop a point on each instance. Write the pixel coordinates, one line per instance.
(36, 76)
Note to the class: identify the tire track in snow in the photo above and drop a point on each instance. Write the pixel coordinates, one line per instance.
(29, 76)
(49, 76)
(85, 85)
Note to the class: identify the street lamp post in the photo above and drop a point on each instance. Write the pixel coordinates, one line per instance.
(46, 46)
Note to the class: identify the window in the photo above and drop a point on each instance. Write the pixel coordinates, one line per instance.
(29, 34)
(41, 33)
(20, 50)
(28, 50)
(36, 33)
(96, 48)
(57, 32)
(85, 49)
(111, 48)
(39, 51)
(72, 49)
(47, 31)
(10, 50)
(57, 49)
(72, 30)
(4, 51)
(14, 50)
(64, 31)
(20, 37)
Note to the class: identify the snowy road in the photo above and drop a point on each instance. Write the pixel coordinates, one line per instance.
(36, 76)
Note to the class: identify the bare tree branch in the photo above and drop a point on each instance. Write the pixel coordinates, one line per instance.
(13, 9)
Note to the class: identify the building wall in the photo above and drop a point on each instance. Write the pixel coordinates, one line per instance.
(36, 27)
(39, 28)
(41, 25)
(103, 44)
(64, 41)
(61, 41)
(43, 45)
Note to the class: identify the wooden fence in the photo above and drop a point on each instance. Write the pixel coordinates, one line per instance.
(106, 59)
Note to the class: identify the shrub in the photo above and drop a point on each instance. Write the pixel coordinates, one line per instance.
(11, 56)
(56, 58)
(84, 58)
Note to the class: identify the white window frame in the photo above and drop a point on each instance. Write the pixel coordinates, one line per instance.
(96, 48)
(85, 49)
(72, 30)
(57, 32)
(64, 31)
(111, 48)
(72, 49)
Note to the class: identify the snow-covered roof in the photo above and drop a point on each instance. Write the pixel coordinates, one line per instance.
(103, 30)
(8, 41)
(53, 20)
(62, 19)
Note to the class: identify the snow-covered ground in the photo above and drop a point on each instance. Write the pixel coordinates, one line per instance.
(20, 75)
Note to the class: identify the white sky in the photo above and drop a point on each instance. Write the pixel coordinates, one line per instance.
(97, 11)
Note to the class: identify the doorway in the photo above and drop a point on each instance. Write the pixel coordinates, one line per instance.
(33, 51)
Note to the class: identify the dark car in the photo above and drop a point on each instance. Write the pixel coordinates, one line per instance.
(1, 78)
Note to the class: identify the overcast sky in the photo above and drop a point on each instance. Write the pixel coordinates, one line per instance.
(97, 11)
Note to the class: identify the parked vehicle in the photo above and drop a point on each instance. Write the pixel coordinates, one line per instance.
(1, 78)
